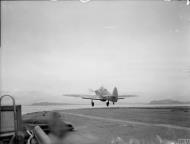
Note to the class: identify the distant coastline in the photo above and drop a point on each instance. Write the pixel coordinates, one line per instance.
(51, 104)
(168, 101)
(153, 102)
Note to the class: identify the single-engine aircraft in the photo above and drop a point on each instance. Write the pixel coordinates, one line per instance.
(103, 95)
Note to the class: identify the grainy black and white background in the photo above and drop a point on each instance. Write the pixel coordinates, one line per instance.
(53, 47)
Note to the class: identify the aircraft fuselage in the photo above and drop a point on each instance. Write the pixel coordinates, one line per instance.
(105, 95)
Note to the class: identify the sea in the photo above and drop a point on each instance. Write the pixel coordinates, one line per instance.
(37, 108)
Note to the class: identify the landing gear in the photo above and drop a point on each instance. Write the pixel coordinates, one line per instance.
(92, 103)
(107, 103)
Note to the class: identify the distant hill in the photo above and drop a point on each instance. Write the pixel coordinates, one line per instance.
(32, 97)
(49, 103)
(168, 101)
(29, 97)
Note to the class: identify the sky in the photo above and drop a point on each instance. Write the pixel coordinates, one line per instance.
(142, 47)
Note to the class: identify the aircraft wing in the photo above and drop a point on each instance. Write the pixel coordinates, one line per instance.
(92, 98)
(126, 96)
(85, 96)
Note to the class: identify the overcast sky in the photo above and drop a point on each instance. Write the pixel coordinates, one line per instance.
(141, 47)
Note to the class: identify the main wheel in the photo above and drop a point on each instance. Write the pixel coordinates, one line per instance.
(107, 104)
(92, 103)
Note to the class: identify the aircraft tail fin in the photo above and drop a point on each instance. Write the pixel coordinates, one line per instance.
(115, 92)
